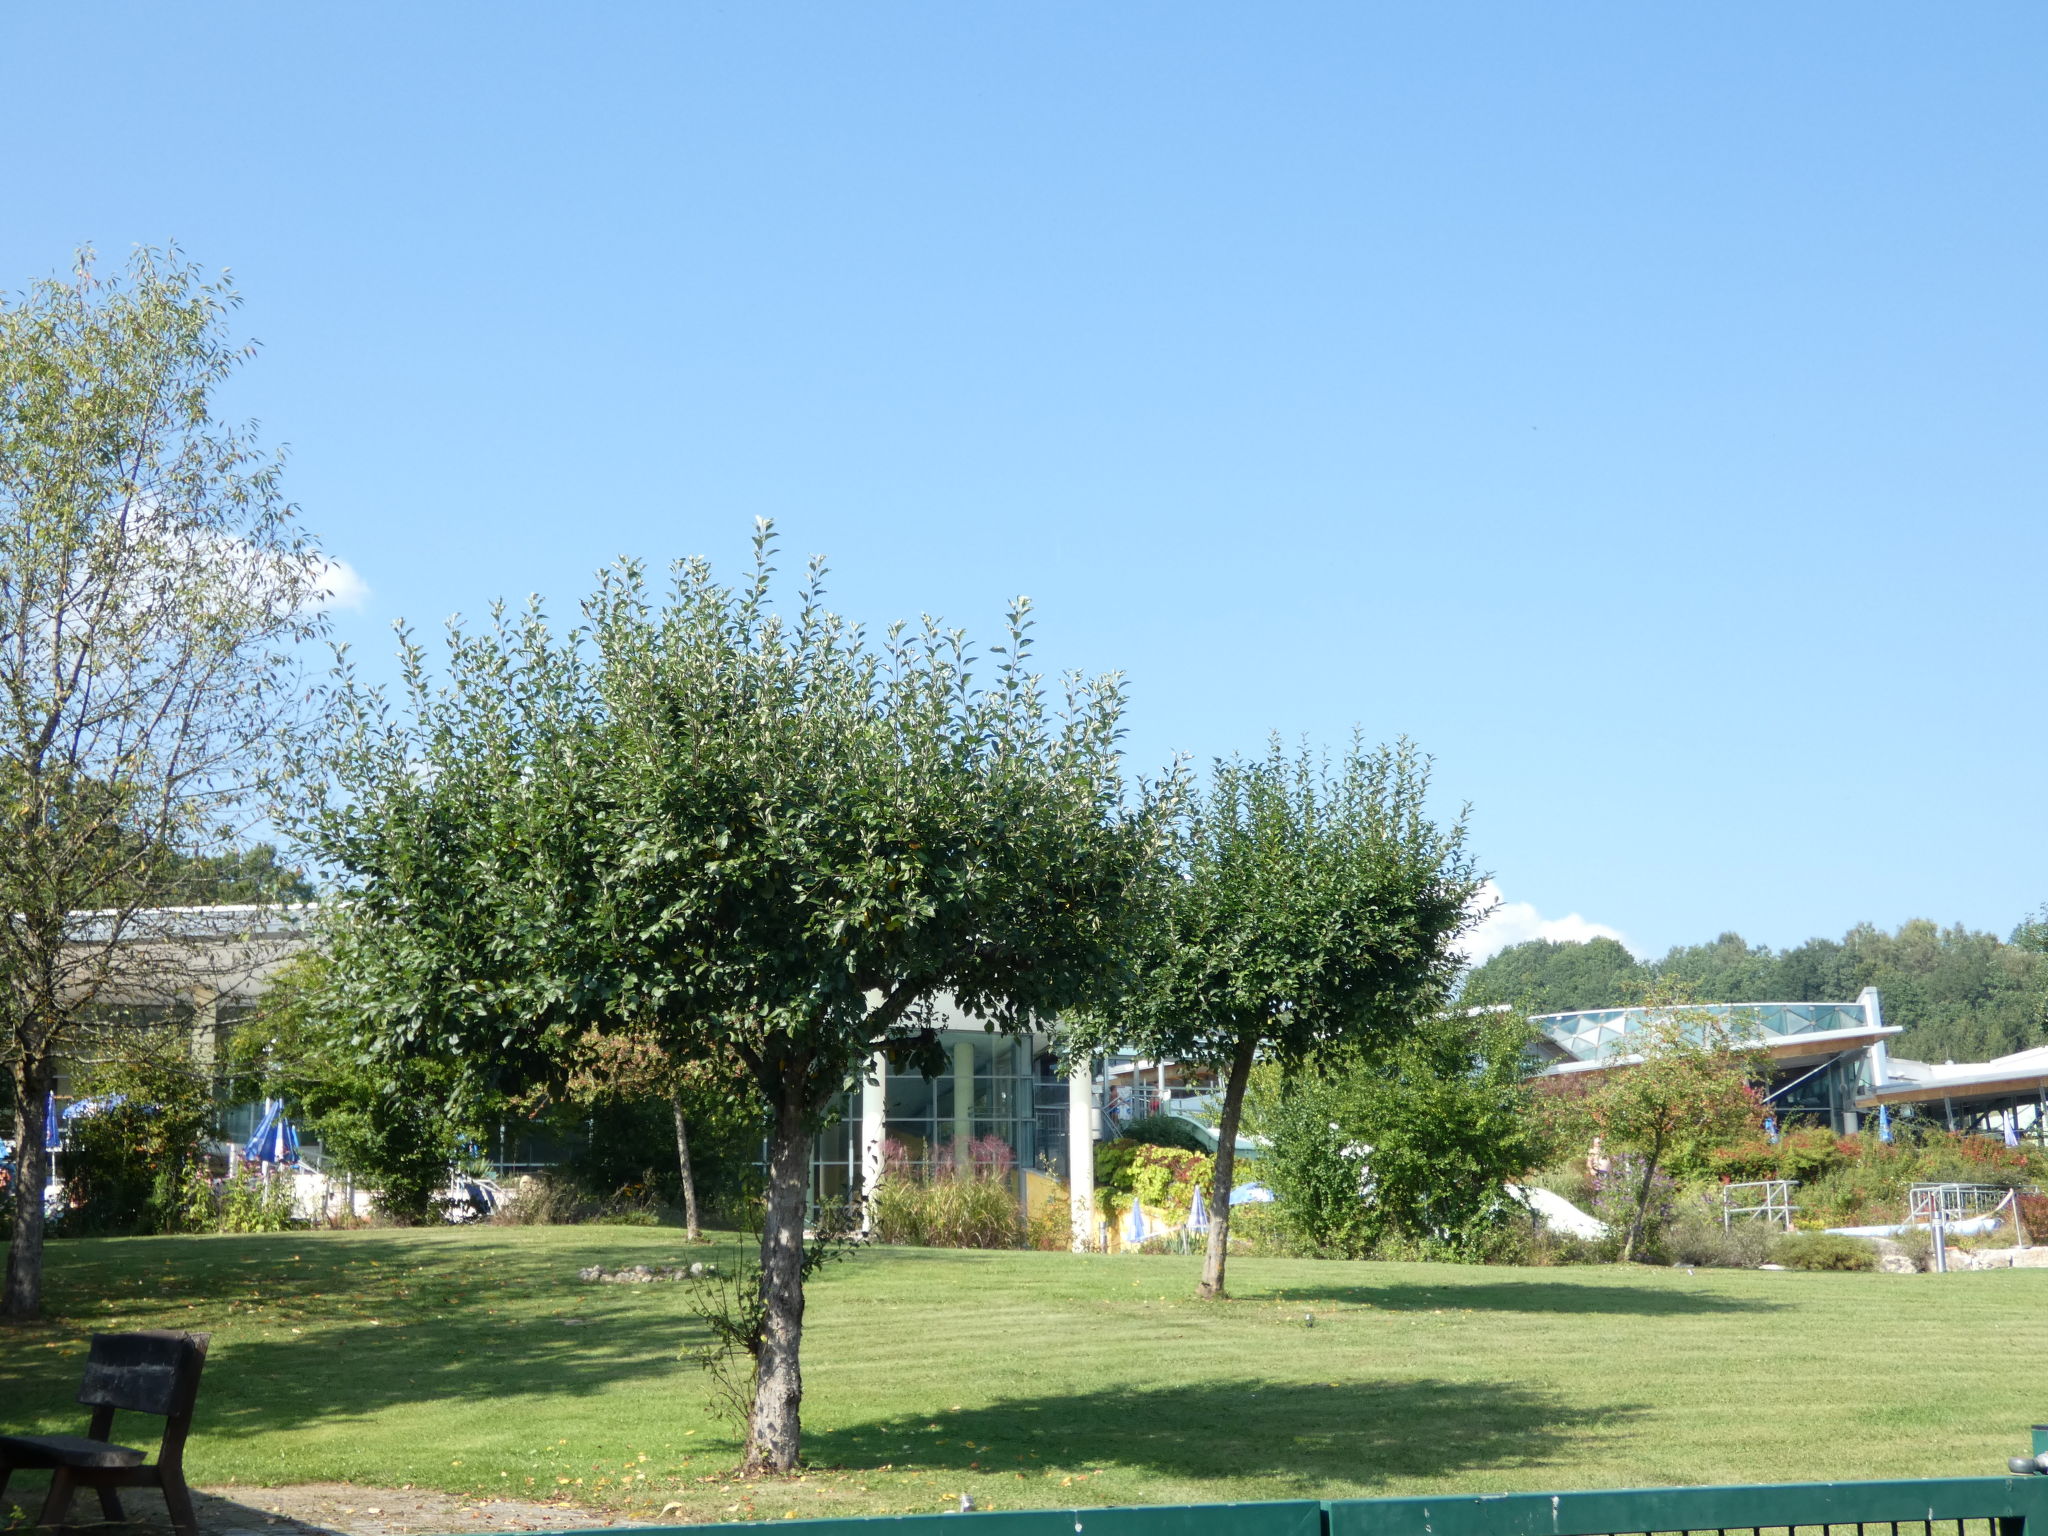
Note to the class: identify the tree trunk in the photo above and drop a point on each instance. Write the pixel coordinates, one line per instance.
(1211, 1288)
(693, 1229)
(24, 1294)
(1635, 1230)
(775, 1433)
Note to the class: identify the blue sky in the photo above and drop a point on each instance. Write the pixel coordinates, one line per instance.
(1641, 406)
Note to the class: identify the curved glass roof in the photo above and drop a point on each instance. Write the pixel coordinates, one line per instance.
(1596, 1033)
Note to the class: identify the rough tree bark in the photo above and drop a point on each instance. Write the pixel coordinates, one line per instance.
(32, 1082)
(693, 1229)
(1218, 1252)
(774, 1435)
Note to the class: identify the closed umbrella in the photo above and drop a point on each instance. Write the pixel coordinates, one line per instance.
(275, 1139)
(1198, 1212)
(1884, 1122)
(1139, 1232)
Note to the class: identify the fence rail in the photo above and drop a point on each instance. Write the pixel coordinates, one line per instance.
(1954, 1506)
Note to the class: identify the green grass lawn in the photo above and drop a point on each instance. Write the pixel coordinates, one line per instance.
(474, 1361)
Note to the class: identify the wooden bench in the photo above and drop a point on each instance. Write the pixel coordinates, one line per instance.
(154, 1372)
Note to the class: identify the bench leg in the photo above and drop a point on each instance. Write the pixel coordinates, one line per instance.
(178, 1500)
(58, 1505)
(110, 1502)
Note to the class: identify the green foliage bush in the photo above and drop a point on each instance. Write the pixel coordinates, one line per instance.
(1164, 1130)
(1412, 1145)
(249, 1202)
(1695, 1236)
(399, 1130)
(1823, 1250)
(131, 1167)
(1166, 1178)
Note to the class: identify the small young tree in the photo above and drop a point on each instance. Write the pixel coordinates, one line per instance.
(1694, 1086)
(153, 588)
(628, 1064)
(1314, 909)
(741, 835)
(1415, 1139)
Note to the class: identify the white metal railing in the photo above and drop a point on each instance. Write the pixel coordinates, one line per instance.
(1953, 1202)
(1769, 1200)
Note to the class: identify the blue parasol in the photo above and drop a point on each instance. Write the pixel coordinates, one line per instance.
(1198, 1212)
(275, 1139)
(85, 1109)
(1884, 1122)
(1139, 1232)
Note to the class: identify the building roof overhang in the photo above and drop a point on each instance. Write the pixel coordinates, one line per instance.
(1789, 1049)
(2005, 1083)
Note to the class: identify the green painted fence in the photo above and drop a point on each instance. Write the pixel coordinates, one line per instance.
(1950, 1506)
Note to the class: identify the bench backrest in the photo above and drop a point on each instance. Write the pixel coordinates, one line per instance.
(155, 1371)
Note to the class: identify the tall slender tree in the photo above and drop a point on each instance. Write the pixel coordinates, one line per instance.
(739, 834)
(1314, 908)
(153, 588)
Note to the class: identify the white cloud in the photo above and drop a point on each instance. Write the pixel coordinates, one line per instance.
(341, 585)
(1516, 922)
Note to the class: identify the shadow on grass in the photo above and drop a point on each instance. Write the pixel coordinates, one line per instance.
(1522, 1296)
(308, 1330)
(1305, 1434)
(425, 1266)
(252, 1386)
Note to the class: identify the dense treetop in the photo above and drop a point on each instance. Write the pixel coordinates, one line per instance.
(1959, 994)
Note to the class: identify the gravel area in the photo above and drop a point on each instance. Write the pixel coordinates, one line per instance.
(329, 1509)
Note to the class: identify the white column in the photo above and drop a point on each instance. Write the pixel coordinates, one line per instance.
(873, 1096)
(963, 1099)
(1081, 1152)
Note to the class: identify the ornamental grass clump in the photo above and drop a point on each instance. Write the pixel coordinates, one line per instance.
(961, 1202)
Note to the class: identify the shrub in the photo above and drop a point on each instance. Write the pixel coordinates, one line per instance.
(544, 1200)
(130, 1165)
(1696, 1236)
(1164, 1130)
(1543, 1248)
(1917, 1244)
(1823, 1250)
(627, 1217)
(1262, 1230)
(1166, 1179)
(2034, 1218)
(249, 1202)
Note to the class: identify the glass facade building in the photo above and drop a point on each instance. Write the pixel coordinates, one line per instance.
(1824, 1056)
(1010, 1088)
